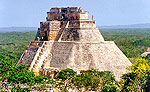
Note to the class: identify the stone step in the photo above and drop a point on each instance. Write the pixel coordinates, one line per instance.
(43, 49)
(41, 53)
(38, 57)
(37, 61)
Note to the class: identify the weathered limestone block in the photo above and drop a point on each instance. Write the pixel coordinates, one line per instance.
(82, 35)
(104, 56)
(90, 35)
(87, 24)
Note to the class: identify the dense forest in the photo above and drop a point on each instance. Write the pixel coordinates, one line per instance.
(132, 42)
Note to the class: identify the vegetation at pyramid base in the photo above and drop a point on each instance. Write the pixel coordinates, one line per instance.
(66, 74)
(89, 79)
(138, 79)
(95, 80)
(15, 74)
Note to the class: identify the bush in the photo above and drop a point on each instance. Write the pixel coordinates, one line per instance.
(66, 74)
(95, 80)
(138, 79)
(13, 73)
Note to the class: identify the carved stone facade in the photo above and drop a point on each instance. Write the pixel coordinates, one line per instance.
(67, 13)
(69, 40)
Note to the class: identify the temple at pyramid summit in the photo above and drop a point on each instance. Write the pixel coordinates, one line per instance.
(68, 39)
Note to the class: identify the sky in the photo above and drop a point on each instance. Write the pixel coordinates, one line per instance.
(29, 13)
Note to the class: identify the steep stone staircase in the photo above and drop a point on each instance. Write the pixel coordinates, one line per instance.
(65, 25)
(42, 53)
(30, 52)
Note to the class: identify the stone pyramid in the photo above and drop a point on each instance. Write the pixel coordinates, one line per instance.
(68, 39)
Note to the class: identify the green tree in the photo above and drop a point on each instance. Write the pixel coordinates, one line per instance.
(95, 80)
(66, 74)
(137, 79)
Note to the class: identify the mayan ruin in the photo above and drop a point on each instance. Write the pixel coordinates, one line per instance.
(68, 39)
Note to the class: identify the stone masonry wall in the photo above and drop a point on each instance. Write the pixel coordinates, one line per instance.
(82, 35)
(104, 56)
(48, 30)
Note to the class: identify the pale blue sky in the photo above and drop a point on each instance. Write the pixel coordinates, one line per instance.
(29, 13)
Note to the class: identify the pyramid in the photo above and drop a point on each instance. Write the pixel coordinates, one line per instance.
(68, 39)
